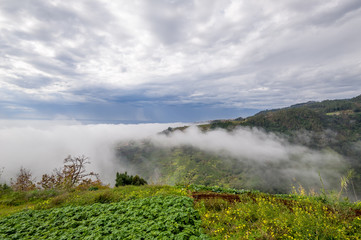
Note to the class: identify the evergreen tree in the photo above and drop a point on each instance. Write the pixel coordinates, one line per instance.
(123, 179)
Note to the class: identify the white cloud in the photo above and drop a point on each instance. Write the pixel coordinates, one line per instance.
(224, 49)
(41, 146)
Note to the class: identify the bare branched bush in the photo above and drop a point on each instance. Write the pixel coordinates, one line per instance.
(24, 181)
(74, 171)
(73, 174)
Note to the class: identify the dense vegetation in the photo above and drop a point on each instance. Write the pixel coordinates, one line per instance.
(342, 116)
(157, 217)
(175, 212)
(123, 179)
(190, 165)
(183, 164)
(14, 201)
(263, 216)
(331, 126)
(72, 203)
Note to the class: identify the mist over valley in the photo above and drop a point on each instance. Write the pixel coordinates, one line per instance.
(170, 119)
(272, 151)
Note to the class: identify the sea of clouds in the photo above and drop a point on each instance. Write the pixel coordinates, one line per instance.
(41, 146)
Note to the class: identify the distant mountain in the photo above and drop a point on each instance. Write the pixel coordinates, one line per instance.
(343, 117)
(337, 115)
(330, 125)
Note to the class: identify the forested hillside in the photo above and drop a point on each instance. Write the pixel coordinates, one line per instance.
(332, 127)
(334, 124)
(341, 116)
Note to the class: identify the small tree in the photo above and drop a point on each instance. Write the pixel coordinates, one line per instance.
(123, 179)
(137, 181)
(24, 181)
(3, 186)
(72, 174)
(50, 181)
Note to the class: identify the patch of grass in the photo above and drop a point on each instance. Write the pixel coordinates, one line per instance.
(263, 216)
(337, 113)
(45, 199)
(254, 215)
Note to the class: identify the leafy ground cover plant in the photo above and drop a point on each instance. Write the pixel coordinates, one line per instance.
(169, 217)
(216, 189)
(13, 202)
(252, 214)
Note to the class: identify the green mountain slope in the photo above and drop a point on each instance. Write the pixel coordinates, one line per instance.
(183, 164)
(342, 116)
(334, 124)
(331, 127)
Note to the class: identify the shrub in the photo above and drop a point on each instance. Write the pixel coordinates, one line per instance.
(24, 181)
(123, 179)
(73, 174)
(4, 188)
(104, 197)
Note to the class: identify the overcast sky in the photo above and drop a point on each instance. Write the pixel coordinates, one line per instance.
(165, 61)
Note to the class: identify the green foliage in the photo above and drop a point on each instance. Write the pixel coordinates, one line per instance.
(17, 198)
(148, 218)
(4, 188)
(12, 202)
(181, 165)
(216, 189)
(263, 216)
(164, 212)
(123, 179)
(185, 165)
(328, 126)
(286, 120)
(341, 116)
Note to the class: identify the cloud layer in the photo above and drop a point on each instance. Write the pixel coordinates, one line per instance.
(77, 58)
(269, 157)
(41, 146)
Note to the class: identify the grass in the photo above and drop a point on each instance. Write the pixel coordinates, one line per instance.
(13, 202)
(264, 216)
(254, 215)
(337, 113)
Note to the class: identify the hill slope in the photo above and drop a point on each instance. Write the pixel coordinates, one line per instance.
(331, 128)
(181, 212)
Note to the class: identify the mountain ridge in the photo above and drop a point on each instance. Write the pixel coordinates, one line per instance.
(330, 129)
(271, 120)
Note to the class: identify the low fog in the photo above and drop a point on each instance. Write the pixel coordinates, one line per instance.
(271, 157)
(41, 146)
